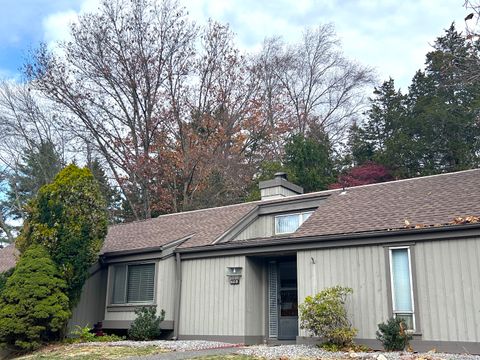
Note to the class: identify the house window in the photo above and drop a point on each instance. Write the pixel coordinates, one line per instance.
(133, 283)
(402, 287)
(286, 224)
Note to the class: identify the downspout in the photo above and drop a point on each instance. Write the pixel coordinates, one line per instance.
(178, 293)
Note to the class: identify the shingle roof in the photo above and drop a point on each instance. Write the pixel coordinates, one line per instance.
(431, 201)
(201, 226)
(427, 201)
(8, 258)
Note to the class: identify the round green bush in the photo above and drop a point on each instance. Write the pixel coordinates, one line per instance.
(325, 315)
(33, 306)
(146, 325)
(393, 334)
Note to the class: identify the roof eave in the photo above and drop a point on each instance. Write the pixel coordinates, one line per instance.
(326, 238)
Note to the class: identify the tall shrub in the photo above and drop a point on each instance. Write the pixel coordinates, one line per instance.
(325, 315)
(3, 279)
(69, 218)
(33, 305)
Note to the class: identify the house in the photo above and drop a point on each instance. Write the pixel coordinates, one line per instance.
(407, 248)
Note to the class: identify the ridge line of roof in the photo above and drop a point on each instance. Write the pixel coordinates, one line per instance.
(186, 212)
(381, 183)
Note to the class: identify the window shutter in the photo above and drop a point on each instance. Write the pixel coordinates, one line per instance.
(141, 283)
(119, 277)
(273, 299)
(402, 287)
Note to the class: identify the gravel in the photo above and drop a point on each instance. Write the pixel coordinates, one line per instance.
(305, 351)
(179, 345)
(283, 351)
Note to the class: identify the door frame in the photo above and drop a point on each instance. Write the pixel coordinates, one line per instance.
(277, 260)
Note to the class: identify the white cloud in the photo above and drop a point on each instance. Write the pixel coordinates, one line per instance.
(56, 26)
(391, 36)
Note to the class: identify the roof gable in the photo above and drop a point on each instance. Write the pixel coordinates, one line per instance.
(200, 227)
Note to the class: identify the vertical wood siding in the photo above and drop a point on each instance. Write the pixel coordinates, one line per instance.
(448, 282)
(276, 192)
(209, 304)
(361, 268)
(255, 297)
(90, 309)
(446, 275)
(166, 287)
(263, 226)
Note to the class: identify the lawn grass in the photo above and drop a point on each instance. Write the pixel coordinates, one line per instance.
(60, 352)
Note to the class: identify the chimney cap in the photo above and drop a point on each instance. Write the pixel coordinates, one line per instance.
(281, 175)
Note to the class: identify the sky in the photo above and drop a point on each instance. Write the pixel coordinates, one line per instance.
(392, 36)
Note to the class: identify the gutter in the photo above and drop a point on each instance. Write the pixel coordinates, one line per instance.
(147, 250)
(132, 252)
(273, 242)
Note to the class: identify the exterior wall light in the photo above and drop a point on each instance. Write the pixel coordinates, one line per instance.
(234, 274)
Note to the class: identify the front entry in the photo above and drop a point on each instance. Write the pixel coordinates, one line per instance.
(283, 299)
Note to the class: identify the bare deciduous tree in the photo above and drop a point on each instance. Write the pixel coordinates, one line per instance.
(112, 75)
(173, 107)
(323, 87)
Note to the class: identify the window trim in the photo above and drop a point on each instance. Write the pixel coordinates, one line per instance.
(111, 279)
(299, 213)
(412, 286)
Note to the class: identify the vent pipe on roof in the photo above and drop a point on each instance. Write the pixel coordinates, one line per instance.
(278, 187)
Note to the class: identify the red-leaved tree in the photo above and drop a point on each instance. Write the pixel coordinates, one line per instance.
(368, 173)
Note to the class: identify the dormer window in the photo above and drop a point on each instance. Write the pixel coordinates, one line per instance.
(289, 223)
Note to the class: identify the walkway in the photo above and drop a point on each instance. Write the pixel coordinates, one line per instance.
(179, 355)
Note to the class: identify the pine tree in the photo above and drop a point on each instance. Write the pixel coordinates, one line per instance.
(432, 129)
(111, 195)
(33, 306)
(309, 160)
(39, 166)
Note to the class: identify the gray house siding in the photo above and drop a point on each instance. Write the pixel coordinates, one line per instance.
(276, 192)
(361, 268)
(166, 287)
(262, 227)
(255, 280)
(90, 309)
(448, 282)
(446, 277)
(210, 306)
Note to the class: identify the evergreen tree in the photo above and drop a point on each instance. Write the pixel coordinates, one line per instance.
(361, 150)
(309, 160)
(445, 106)
(69, 218)
(39, 166)
(432, 129)
(33, 306)
(111, 195)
